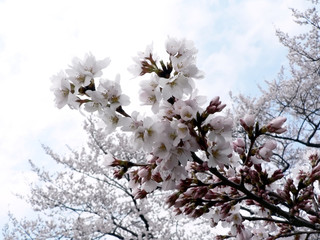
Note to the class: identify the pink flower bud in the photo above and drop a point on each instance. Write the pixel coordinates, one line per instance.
(248, 121)
(189, 192)
(211, 195)
(200, 192)
(313, 219)
(188, 210)
(215, 101)
(220, 107)
(118, 173)
(172, 199)
(139, 194)
(277, 175)
(270, 144)
(215, 106)
(143, 172)
(238, 146)
(157, 177)
(275, 126)
(198, 213)
(180, 202)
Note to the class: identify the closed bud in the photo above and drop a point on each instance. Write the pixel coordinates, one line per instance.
(313, 219)
(139, 194)
(189, 209)
(157, 177)
(200, 192)
(172, 199)
(277, 175)
(118, 173)
(275, 126)
(143, 172)
(215, 106)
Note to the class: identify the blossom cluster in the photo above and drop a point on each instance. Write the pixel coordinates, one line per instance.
(78, 85)
(189, 145)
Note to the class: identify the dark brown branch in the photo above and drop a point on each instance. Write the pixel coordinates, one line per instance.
(292, 220)
(308, 144)
(264, 219)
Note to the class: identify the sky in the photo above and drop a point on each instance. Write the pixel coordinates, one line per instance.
(237, 48)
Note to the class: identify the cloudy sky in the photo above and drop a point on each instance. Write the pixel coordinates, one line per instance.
(237, 50)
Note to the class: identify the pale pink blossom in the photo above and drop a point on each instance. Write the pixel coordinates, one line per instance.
(187, 113)
(219, 152)
(143, 172)
(150, 93)
(178, 86)
(266, 151)
(82, 71)
(62, 89)
(145, 132)
(113, 120)
(112, 94)
(182, 55)
(221, 124)
(162, 149)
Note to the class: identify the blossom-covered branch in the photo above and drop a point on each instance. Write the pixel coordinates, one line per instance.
(212, 167)
(190, 151)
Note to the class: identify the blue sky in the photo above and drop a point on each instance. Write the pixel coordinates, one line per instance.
(237, 46)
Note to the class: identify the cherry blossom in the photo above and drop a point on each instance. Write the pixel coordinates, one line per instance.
(238, 173)
(81, 72)
(64, 92)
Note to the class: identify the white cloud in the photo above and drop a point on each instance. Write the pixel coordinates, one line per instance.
(242, 49)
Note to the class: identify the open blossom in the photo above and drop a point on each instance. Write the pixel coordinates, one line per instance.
(221, 124)
(162, 148)
(150, 93)
(81, 72)
(182, 55)
(173, 46)
(176, 86)
(266, 151)
(62, 89)
(146, 134)
(97, 103)
(219, 152)
(187, 113)
(113, 120)
(111, 91)
(275, 126)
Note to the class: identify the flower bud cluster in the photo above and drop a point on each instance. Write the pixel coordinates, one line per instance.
(215, 106)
